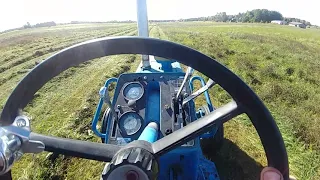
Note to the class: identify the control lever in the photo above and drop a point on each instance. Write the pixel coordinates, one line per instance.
(14, 142)
(208, 85)
(104, 94)
(186, 78)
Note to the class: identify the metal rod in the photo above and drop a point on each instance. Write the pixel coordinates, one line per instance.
(143, 30)
(185, 80)
(208, 85)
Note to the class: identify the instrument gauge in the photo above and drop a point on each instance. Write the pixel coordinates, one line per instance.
(130, 123)
(133, 91)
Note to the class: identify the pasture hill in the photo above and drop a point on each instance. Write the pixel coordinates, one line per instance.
(280, 63)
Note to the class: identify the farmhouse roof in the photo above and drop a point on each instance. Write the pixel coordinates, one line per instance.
(295, 23)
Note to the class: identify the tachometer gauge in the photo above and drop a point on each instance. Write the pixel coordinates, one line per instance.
(130, 123)
(133, 91)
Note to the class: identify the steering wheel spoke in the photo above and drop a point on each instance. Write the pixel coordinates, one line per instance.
(77, 148)
(196, 128)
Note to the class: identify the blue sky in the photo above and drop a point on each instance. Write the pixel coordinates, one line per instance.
(15, 13)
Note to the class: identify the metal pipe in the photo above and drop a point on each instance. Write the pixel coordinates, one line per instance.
(143, 29)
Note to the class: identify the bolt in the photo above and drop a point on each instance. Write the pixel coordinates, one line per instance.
(145, 77)
(132, 175)
(166, 106)
(161, 77)
(118, 106)
(21, 122)
(168, 131)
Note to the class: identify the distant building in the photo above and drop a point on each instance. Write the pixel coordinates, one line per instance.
(297, 24)
(279, 22)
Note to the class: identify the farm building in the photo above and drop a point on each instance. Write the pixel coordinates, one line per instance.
(279, 22)
(297, 24)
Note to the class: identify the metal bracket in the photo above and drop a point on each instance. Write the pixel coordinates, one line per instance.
(14, 142)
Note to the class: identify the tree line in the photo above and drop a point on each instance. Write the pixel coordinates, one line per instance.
(44, 24)
(253, 16)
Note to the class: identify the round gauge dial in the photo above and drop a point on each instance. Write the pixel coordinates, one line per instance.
(130, 123)
(133, 91)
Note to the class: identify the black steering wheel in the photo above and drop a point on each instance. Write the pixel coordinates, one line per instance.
(244, 99)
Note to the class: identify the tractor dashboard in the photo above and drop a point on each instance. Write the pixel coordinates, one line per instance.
(141, 98)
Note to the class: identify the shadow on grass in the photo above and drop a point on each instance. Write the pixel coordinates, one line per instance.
(234, 164)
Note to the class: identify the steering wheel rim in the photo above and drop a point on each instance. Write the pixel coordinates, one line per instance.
(259, 115)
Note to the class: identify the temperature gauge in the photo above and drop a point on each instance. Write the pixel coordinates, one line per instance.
(130, 123)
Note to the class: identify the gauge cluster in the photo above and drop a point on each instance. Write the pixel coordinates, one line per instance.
(136, 105)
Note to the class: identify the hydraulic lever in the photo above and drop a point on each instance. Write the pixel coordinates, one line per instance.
(186, 78)
(208, 85)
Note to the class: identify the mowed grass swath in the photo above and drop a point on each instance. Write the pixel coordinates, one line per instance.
(280, 63)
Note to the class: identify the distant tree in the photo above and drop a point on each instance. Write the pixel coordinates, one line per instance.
(248, 17)
(257, 16)
(239, 17)
(27, 25)
(224, 17)
(219, 17)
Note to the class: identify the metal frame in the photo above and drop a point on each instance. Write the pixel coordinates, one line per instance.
(98, 112)
(206, 94)
(143, 28)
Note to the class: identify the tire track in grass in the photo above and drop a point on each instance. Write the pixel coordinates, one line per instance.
(74, 38)
(48, 38)
(41, 52)
(67, 44)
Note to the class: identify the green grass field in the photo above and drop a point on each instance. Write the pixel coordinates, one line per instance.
(280, 63)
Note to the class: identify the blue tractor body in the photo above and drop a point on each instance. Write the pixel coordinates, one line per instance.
(159, 81)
